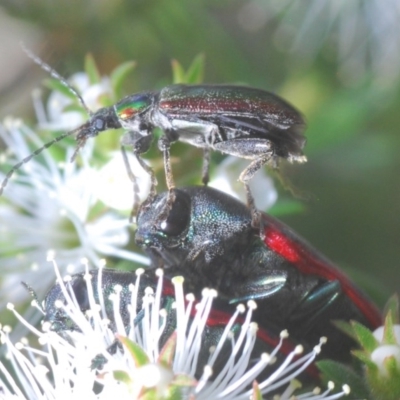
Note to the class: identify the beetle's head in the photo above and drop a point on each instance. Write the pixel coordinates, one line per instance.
(101, 120)
(202, 225)
(162, 233)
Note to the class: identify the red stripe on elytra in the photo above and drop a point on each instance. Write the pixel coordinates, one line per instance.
(279, 238)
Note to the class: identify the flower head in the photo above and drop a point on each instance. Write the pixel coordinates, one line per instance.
(54, 205)
(138, 369)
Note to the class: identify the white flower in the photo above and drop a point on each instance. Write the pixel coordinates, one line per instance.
(57, 117)
(49, 206)
(364, 34)
(386, 351)
(61, 369)
(113, 187)
(262, 186)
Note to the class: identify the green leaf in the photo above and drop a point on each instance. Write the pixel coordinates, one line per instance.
(389, 336)
(91, 69)
(365, 358)
(58, 86)
(343, 375)
(122, 376)
(195, 73)
(138, 355)
(75, 107)
(364, 337)
(168, 351)
(118, 76)
(385, 384)
(256, 392)
(287, 207)
(178, 388)
(346, 328)
(178, 73)
(392, 307)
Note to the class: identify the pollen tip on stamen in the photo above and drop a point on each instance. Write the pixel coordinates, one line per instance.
(84, 261)
(159, 272)
(10, 306)
(241, 308)
(346, 389)
(117, 289)
(19, 346)
(265, 357)
(317, 349)
(87, 277)
(284, 334)
(50, 255)
(7, 329)
(316, 391)
(299, 349)
(177, 280)
(67, 278)
(331, 385)
(253, 327)
(35, 303)
(252, 305)
(46, 326)
(148, 291)
(102, 263)
(139, 271)
(58, 304)
(213, 293)
(190, 297)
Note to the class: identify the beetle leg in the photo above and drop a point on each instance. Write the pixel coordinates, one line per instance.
(206, 166)
(132, 177)
(140, 144)
(245, 177)
(164, 144)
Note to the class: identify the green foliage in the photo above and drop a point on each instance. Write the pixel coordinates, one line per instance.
(193, 75)
(380, 373)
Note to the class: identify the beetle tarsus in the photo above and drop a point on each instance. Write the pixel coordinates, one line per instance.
(164, 145)
(206, 166)
(132, 177)
(256, 218)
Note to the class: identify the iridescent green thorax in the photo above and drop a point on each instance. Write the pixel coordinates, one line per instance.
(131, 106)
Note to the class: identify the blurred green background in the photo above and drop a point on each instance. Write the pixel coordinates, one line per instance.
(331, 74)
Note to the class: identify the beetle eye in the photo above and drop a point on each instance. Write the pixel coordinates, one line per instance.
(99, 124)
(178, 218)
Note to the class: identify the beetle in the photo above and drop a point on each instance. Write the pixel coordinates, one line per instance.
(209, 235)
(242, 121)
(103, 282)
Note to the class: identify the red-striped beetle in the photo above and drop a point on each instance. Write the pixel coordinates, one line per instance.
(209, 238)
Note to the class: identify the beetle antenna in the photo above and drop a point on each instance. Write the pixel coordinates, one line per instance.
(33, 295)
(33, 154)
(36, 59)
